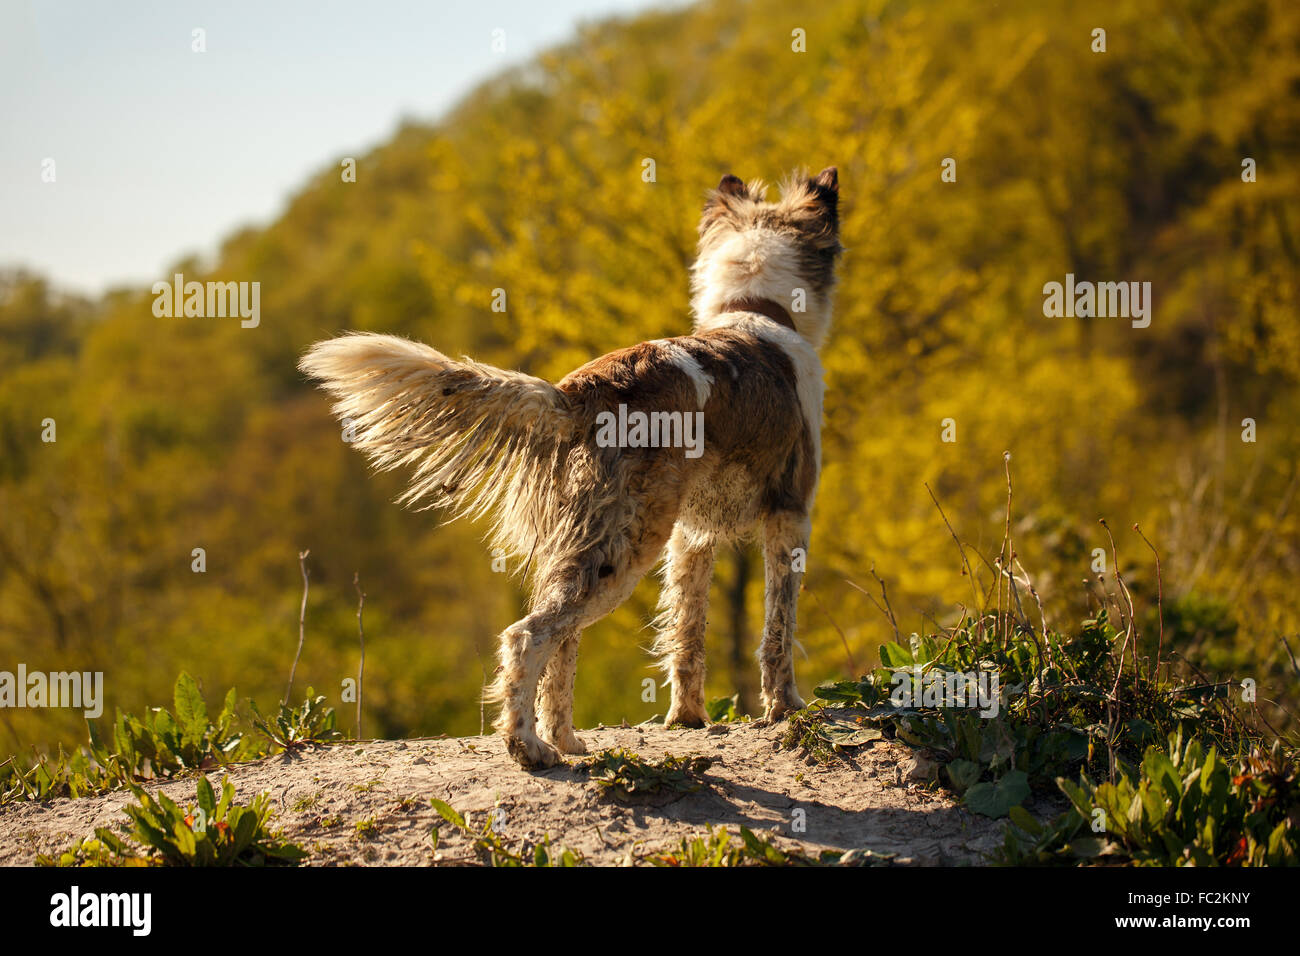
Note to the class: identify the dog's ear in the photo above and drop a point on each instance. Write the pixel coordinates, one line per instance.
(718, 208)
(731, 186)
(813, 205)
(828, 178)
(824, 191)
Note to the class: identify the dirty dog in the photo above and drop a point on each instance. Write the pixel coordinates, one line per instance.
(593, 479)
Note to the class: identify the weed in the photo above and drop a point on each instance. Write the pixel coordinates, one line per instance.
(211, 832)
(624, 775)
(490, 849)
(311, 722)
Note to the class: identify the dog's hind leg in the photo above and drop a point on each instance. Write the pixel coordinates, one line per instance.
(783, 532)
(555, 698)
(567, 600)
(527, 646)
(684, 605)
(571, 592)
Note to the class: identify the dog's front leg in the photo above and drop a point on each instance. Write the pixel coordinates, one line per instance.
(783, 533)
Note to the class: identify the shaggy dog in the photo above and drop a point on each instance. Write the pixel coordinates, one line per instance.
(594, 506)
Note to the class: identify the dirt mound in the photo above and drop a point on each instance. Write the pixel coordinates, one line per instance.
(368, 803)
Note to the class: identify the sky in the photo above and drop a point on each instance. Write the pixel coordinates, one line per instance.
(159, 151)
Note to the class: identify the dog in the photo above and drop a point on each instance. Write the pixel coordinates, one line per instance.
(593, 507)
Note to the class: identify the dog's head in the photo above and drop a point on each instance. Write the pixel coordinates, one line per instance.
(783, 251)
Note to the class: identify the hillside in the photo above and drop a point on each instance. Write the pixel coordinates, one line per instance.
(181, 436)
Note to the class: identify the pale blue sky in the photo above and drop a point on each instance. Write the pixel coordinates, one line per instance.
(160, 151)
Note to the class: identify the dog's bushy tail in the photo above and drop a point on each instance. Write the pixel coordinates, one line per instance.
(481, 440)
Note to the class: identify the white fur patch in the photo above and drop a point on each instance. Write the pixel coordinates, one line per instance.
(757, 263)
(685, 361)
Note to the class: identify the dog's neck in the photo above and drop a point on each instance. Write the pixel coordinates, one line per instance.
(773, 310)
(756, 267)
(810, 326)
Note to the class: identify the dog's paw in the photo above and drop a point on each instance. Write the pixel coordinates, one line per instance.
(533, 753)
(783, 705)
(566, 742)
(682, 717)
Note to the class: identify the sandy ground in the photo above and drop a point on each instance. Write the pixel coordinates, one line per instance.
(367, 803)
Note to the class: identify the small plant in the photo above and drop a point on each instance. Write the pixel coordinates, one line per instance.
(163, 744)
(718, 848)
(725, 710)
(95, 852)
(1183, 806)
(489, 847)
(823, 736)
(211, 832)
(623, 774)
(311, 722)
(73, 775)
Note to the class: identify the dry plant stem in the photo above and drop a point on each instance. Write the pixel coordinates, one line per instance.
(1130, 633)
(302, 623)
(1294, 666)
(1112, 718)
(997, 581)
(1038, 644)
(361, 632)
(884, 596)
(1042, 614)
(1205, 678)
(1123, 646)
(1007, 553)
(869, 596)
(1160, 606)
(482, 697)
(970, 574)
(1259, 715)
(853, 665)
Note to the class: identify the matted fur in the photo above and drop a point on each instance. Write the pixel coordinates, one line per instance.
(592, 520)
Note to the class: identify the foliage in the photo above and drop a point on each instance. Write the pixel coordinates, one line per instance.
(725, 710)
(163, 745)
(624, 775)
(211, 832)
(311, 722)
(1185, 805)
(716, 847)
(490, 848)
(1008, 708)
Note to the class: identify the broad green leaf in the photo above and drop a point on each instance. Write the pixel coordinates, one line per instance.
(191, 711)
(996, 799)
(207, 799)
